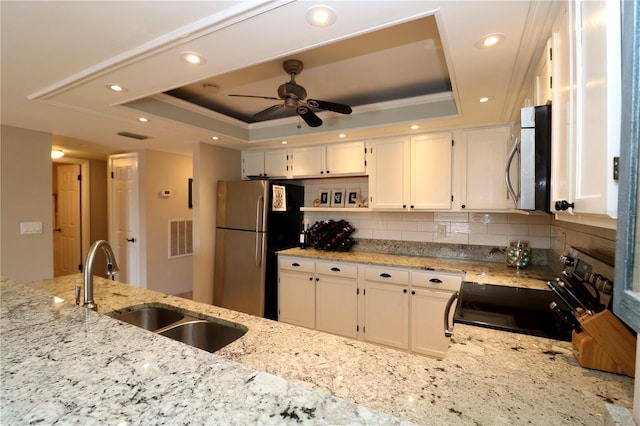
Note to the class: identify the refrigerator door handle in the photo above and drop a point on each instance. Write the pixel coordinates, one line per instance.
(259, 234)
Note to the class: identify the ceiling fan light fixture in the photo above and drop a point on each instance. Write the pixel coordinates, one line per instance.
(321, 16)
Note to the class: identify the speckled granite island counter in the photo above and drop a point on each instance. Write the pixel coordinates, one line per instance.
(488, 377)
(480, 272)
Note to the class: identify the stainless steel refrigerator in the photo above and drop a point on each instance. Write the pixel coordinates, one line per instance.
(252, 224)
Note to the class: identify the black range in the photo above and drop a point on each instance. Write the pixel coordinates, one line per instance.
(513, 309)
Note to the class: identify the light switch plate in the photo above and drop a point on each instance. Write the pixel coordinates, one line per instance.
(30, 228)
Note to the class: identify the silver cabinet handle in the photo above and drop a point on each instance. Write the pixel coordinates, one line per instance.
(448, 331)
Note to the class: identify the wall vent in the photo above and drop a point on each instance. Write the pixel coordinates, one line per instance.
(133, 135)
(180, 237)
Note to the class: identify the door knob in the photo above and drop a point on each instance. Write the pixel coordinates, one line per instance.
(131, 240)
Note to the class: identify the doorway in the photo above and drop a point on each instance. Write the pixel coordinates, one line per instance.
(70, 215)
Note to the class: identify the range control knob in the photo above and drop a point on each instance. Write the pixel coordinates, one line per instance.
(566, 260)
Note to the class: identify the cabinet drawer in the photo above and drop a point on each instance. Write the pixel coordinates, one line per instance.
(296, 264)
(436, 280)
(386, 275)
(337, 269)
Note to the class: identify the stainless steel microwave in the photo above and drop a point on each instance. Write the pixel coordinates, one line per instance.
(530, 161)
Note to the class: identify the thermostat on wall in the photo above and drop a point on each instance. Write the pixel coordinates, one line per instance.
(166, 193)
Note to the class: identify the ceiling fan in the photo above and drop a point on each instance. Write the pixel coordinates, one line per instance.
(294, 96)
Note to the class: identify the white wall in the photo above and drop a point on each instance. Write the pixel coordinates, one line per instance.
(165, 171)
(25, 196)
(210, 164)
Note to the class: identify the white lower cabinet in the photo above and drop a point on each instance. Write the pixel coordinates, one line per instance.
(296, 292)
(395, 307)
(337, 298)
(319, 295)
(386, 314)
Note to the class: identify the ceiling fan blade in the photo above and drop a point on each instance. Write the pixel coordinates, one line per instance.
(309, 116)
(329, 106)
(259, 97)
(268, 110)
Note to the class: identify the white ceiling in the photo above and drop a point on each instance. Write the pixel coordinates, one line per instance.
(392, 61)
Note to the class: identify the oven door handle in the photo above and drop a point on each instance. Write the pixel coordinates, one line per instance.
(448, 331)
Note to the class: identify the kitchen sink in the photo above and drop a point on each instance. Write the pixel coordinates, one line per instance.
(206, 335)
(169, 322)
(151, 317)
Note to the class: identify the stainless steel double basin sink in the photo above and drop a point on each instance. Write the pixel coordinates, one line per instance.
(170, 322)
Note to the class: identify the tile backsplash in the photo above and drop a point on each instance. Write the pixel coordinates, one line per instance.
(485, 229)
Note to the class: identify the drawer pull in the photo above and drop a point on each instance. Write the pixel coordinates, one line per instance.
(296, 264)
(335, 269)
(404, 290)
(435, 280)
(385, 275)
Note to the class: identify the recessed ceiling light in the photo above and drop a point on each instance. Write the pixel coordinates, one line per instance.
(215, 138)
(193, 58)
(321, 16)
(342, 135)
(143, 119)
(485, 99)
(284, 142)
(490, 40)
(115, 87)
(57, 153)
(415, 127)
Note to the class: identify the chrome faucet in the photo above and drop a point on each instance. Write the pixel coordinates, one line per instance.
(112, 269)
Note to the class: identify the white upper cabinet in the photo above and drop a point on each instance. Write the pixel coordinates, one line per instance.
(272, 163)
(411, 173)
(544, 76)
(252, 163)
(431, 172)
(308, 161)
(586, 111)
(389, 163)
(276, 163)
(481, 157)
(346, 159)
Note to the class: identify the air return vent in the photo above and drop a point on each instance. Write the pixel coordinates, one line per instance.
(133, 135)
(180, 237)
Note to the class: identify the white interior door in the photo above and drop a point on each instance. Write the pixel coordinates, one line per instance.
(67, 256)
(124, 216)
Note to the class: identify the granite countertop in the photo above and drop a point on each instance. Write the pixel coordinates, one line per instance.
(488, 376)
(535, 276)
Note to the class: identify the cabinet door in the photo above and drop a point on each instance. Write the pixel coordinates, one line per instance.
(252, 163)
(389, 173)
(296, 298)
(544, 72)
(337, 305)
(344, 159)
(563, 105)
(276, 163)
(431, 172)
(386, 314)
(307, 161)
(598, 106)
(426, 322)
(485, 156)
